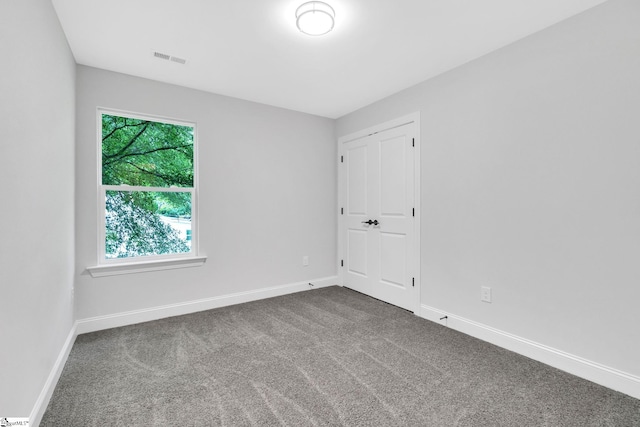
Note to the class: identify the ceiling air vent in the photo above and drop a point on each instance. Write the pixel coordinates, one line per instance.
(162, 55)
(169, 57)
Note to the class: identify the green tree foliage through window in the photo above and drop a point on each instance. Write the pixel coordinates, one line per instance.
(145, 153)
(153, 155)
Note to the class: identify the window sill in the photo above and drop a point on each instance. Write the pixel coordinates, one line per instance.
(142, 267)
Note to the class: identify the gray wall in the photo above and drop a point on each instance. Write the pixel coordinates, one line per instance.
(267, 195)
(530, 185)
(37, 96)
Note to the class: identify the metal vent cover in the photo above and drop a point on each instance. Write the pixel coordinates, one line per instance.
(168, 57)
(162, 55)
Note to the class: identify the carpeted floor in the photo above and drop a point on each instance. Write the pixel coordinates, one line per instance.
(326, 357)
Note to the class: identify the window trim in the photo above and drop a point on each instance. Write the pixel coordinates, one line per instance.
(145, 266)
(106, 266)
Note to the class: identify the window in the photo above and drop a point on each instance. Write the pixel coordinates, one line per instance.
(147, 188)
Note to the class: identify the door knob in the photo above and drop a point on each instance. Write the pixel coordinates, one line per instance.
(367, 222)
(375, 222)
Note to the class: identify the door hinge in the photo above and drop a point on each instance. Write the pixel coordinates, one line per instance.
(341, 159)
(341, 211)
(341, 263)
(414, 211)
(413, 142)
(413, 281)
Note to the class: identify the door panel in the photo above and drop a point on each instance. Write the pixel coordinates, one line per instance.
(357, 180)
(358, 252)
(393, 189)
(379, 184)
(393, 259)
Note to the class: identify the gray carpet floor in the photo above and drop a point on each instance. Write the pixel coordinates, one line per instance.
(325, 357)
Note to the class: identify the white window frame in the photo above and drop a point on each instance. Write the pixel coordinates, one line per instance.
(110, 266)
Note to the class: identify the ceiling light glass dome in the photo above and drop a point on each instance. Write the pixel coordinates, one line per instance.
(315, 18)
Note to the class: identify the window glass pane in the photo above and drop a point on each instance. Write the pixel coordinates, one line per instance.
(146, 153)
(140, 223)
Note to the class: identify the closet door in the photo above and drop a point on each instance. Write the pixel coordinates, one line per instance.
(378, 229)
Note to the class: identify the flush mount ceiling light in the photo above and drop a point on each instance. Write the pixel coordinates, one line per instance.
(315, 18)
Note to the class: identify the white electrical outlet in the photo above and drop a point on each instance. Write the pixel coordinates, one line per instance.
(305, 261)
(485, 294)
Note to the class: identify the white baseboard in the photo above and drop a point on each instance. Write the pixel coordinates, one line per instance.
(49, 386)
(592, 371)
(145, 315)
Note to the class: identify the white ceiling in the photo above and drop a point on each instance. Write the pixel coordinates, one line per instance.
(251, 49)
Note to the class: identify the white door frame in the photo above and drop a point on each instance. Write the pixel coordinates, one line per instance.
(410, 118)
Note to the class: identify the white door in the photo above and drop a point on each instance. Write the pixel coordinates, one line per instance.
(378, 230)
